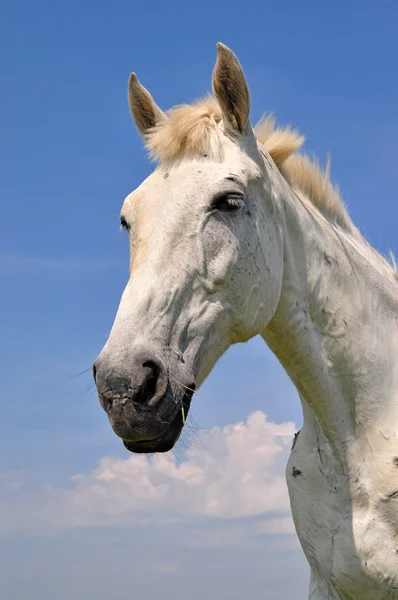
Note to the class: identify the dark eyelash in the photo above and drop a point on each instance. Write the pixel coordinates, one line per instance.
(228, 202)
(234, 201)
(124, 224)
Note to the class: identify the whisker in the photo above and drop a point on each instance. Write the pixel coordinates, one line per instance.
(182, 385)
(82, 394)
(90, 397)
(70, 378)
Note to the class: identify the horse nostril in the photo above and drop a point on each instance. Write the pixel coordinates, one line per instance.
(149, 382)
(152, 370)
(142, 381)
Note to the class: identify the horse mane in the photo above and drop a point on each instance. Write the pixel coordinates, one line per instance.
(191, 129)
(304, 174)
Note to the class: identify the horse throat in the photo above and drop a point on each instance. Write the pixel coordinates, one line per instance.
(335, 330)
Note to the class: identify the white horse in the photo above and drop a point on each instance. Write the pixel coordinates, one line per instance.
(235, 234)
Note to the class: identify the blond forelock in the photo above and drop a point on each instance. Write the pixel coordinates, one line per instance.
(189, 130)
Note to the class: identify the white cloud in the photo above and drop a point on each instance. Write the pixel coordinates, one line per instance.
(229, 473)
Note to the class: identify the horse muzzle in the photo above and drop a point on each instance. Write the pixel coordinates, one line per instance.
(145, 404)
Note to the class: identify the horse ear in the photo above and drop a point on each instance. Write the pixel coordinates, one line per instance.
(143, 108)
(230, 89)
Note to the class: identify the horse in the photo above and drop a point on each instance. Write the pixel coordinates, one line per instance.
(237, 233)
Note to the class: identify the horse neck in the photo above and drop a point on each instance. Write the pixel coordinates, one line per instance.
(335, 329)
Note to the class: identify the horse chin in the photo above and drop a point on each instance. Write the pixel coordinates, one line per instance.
(167, 440)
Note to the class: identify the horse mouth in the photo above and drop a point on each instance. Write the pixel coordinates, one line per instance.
(167, 440)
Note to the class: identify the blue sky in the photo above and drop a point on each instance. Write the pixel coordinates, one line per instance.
(69, 155)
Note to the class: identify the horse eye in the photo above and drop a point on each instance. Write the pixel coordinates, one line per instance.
(228, 202)
(124, 224)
